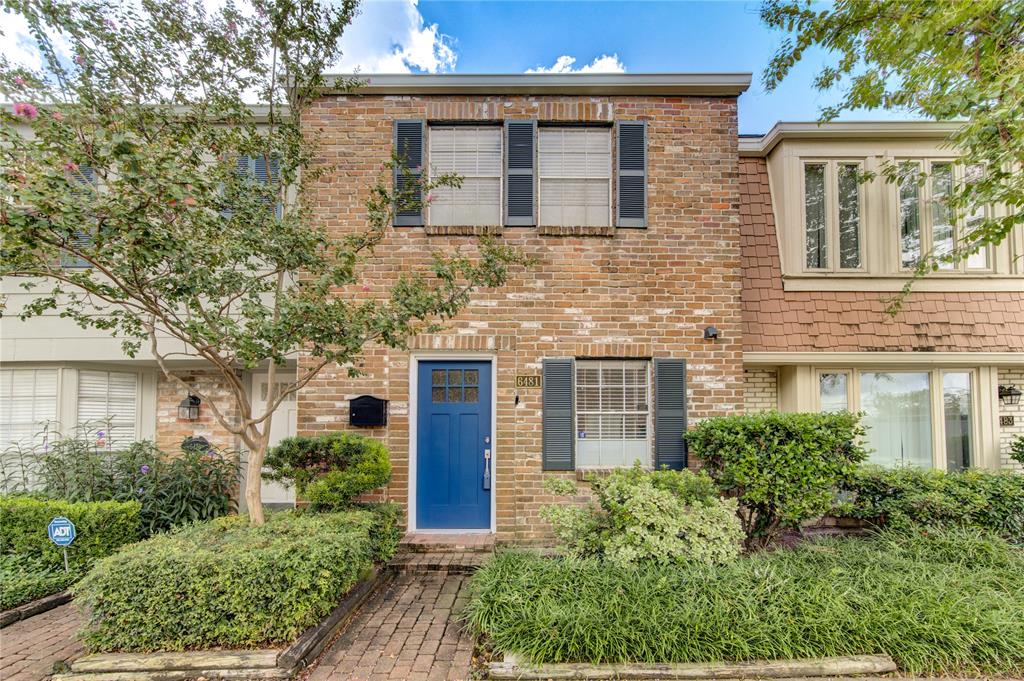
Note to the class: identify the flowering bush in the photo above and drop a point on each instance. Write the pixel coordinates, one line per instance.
(642, 517)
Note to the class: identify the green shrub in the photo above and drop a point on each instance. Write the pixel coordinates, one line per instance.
(640, 516)
(101, 528)
(1017, 449)
(226, 583)
(330, 470)
(783, 468)
(196, 484)
(949, 602)
(24, 579)
(385, 531)
(992, 500)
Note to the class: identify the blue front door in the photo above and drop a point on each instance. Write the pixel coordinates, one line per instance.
(453, 438)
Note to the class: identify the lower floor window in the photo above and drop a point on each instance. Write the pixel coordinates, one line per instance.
(28, 406)
(916, 418)
(612, 413)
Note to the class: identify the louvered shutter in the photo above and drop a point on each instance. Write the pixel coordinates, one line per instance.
(409, 148)
(669, 413)
(83, 237)
(107, 402)
(520, 173)
(559, 439)
(632, 175)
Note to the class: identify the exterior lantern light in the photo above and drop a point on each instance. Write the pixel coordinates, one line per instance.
(1009, 394)
(710, 333)
(188, 408)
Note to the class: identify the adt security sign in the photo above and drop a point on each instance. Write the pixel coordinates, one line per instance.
(61, 531)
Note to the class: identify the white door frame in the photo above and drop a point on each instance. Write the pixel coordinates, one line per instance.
(414, 372)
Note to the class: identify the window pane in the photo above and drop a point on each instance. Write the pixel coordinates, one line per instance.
(849, 217)
(910, 217)
(978, 259)
(832, 389)
(814, 215)
(611, 413)
(107, 404)
(28, 406)
(956, 407)
(474, 153)
(575, 173)
(942, 216)
(898, 417)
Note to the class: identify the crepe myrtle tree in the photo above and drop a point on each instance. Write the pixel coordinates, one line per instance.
(951, 60)
(144, 195)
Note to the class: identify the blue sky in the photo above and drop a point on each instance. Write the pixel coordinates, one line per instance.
(638, 36)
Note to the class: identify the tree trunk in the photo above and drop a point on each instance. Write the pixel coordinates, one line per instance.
(253, 480)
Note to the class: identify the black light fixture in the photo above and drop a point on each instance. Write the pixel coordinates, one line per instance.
(710, 333)
(188, 408)
(1009, 394)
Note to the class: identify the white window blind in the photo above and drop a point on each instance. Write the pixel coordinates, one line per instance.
(28, 402)
(473, 153)
(107, 403)
(575, 166)
(612, 413)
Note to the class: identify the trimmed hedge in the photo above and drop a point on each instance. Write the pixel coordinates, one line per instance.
(783, 468)
(944, 602)
(992, 500)
(101, 528)
(226, 583)
(330, 470)
(24, 579)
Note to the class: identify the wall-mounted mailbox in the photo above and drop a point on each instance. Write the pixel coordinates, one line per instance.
(367, 410)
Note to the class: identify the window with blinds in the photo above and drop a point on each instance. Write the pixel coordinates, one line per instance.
(28, 405)
(473, 153)
(575, 166)
(108, 403)
(612, 413)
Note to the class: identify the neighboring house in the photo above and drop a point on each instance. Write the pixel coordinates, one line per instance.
(680, 272)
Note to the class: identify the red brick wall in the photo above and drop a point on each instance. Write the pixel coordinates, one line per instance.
(633, 293)
(856, 321)
(170, 430)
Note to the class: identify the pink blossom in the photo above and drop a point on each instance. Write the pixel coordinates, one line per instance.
(26, 110)
(232, 26)
(430, 197)
(80, 60)
(57, 116)
(19, 81)
(71, 166)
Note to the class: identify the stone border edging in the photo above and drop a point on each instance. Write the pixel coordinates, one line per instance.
(266, 663)
(36, 607)
(851, 665)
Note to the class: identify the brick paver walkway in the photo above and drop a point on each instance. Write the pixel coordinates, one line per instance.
(406, 631)
(29, 648)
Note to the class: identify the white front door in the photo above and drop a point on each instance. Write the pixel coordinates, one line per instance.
(283, 425)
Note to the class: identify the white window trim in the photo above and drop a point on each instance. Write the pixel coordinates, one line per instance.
(611, 172)
(935, 375)
(832, 215)
(501, 176)
(648, 460)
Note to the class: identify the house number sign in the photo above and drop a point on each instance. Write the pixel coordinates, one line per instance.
(527, 381)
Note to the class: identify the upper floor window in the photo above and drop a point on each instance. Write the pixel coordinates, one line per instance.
(473, 153)
(926, 222)
(575, 176)
(84, 179)
(832, 215)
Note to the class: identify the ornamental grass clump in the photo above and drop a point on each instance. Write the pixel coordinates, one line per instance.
(638, 516)
(225, 583)
(943, 602)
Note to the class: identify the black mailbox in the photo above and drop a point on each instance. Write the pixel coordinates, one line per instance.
(367, 410)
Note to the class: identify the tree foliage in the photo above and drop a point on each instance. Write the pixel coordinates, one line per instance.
(949, 60)
(145, 195)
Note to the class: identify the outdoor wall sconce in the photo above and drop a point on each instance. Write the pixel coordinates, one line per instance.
(1009, 394)
(710, 333)
(188, 408)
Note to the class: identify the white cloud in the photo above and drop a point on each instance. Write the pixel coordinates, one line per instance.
(606, 63)
(391, 37)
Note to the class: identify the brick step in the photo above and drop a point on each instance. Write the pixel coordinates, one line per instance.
(421, 542)
(450, 562)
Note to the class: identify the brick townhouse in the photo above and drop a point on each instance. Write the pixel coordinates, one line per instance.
(681, 271)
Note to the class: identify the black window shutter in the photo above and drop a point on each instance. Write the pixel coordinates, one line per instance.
(558, 448)
(632, 175)
(409, 139)
(669, 413)
(520, 172)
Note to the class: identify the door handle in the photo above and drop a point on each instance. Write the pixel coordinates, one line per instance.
(487, 468)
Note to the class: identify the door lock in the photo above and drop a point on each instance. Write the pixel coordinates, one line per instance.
(487, 468)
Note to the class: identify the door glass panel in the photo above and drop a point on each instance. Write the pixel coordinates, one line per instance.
(454, 394)
(898, 417)
(455, 377)
(956, 409)
(437, 376)
(832, 390)
(437, 394)
(471, 393)
(910, 216)
(472, 376)
(814, 216)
